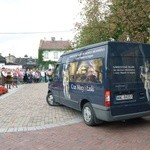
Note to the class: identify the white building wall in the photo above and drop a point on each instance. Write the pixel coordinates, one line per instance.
(52, 55)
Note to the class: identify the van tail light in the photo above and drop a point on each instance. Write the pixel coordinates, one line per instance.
(107, 98)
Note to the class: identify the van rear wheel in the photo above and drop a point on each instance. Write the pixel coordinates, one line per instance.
(88, 114)
(50, 100)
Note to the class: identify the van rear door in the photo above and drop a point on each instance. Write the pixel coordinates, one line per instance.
(129, 78)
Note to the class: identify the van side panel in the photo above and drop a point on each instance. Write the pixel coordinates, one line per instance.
(83, 77)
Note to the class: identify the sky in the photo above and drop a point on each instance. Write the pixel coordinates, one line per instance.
(23, 23)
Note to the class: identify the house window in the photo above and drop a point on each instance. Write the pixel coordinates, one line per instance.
(45, 55)
(55, 55)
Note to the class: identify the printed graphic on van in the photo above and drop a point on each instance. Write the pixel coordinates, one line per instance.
(124, 70)
(66, 81)
(88, 88)
(145, 77)
(87, 71)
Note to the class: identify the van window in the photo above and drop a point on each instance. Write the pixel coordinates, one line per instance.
(56, 72)
(86, 71)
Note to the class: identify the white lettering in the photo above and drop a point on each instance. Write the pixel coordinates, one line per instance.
(73, 87)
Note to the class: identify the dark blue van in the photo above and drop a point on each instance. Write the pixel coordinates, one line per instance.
(107, 81)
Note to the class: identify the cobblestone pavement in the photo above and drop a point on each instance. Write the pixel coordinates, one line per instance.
(25, 108)
(59, 128)
(131, 135)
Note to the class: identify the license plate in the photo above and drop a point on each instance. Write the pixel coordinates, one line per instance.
(124, 97)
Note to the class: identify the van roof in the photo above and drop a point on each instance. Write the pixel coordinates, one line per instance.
(97, 45)
(86, 47)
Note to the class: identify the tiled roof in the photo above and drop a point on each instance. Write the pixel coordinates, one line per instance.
(54, 45)
(20, 61)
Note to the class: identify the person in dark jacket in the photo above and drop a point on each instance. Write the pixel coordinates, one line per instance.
(25, 77)
(9, 79)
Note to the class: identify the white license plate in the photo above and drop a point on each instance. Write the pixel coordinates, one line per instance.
(124, 97)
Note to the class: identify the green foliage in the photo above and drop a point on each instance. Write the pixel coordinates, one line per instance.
(41, 62)
(102, 20)
(133, 16)
(94, 27)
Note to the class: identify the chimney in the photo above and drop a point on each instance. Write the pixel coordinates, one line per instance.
(53, 39)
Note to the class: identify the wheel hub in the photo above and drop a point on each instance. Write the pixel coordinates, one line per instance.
(87, 114)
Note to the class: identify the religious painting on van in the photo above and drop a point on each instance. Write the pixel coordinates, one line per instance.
(145, 68)
(145, 76)
(86, 71)
(81, 68)
(66, 80)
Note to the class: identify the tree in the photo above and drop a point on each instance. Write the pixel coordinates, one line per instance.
(130, 18)
(93, 27)
(119, 19)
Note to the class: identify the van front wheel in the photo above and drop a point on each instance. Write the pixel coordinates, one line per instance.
(88, 115)
(50, 100)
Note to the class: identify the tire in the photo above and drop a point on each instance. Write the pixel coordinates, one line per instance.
(88, 115)
(50, 100)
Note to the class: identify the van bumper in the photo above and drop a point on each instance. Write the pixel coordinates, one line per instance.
(104, 113)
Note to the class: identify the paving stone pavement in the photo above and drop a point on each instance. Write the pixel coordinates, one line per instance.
(25, 109)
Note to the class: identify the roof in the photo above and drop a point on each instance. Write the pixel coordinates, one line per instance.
(2, 59)
(87, 47)
(10, 63)
(54, 44)
(23, 61)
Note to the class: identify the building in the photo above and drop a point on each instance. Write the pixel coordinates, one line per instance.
(2, 61)
(50, 51)
(26, 62)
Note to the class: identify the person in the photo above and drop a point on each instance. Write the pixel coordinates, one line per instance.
(45, 76)
(30, 77)
(15, 79)
(37, 76)
(9, 79)
(50, 73)
(25, 77)
(3, 76)
(42, 76)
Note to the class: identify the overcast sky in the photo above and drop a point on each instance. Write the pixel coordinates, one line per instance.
(58, 17)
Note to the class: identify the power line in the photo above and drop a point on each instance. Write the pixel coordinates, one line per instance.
(41, 32)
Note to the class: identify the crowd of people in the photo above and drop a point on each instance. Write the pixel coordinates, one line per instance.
(13, 77)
